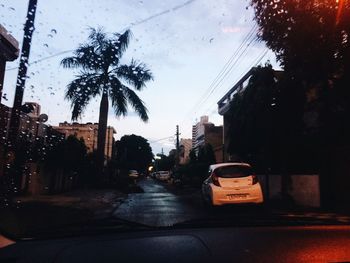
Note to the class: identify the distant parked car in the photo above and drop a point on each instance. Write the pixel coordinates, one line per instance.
(163, 175)
(133, 174)
(231, 183)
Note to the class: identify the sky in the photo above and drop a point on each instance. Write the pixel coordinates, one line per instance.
(191, 47)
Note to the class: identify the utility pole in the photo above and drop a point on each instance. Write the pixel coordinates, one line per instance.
(177, 161)
(22, 73)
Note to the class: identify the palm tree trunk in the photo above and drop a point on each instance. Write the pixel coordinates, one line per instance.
(101, 136)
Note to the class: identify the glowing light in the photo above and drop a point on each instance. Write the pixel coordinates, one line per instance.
(340, 9)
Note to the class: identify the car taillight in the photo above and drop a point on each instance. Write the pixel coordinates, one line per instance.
(215, 180)
(255, 179)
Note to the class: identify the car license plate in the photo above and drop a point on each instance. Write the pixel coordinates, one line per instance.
(237, 196)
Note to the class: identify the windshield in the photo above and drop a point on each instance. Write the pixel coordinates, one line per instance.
(118, 109)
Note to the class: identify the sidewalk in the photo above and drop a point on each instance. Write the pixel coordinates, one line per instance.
(39, 213)
(98, 202)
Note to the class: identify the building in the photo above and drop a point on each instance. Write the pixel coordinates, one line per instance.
(88, 132)
(32, 121)
(205, 132)
(224, 106)
(185, 148)
(213, 135)
(9, 51)
(198, 133)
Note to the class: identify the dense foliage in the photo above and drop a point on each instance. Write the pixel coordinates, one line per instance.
(133, 152)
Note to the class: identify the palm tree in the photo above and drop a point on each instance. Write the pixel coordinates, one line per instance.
(102, 75)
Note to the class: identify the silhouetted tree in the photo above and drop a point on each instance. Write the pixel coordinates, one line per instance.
(68, 156)
(311, 41)
(206, 154)
(133, 152)
(166, 162)
(193, 156)
(102, 75)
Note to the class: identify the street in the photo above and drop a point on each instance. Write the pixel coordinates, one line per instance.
(162, 205)
(158, 206)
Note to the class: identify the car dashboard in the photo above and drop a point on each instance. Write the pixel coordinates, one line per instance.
(234, 244)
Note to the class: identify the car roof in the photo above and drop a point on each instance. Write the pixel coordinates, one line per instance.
(215, 166)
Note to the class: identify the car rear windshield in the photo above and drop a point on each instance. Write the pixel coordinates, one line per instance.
(233, 171)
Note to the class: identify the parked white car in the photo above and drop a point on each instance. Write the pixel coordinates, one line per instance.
(163, 175)
(231, 183)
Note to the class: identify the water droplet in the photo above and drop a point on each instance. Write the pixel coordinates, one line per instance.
(12, 9)
(46, 45)
(53, 31)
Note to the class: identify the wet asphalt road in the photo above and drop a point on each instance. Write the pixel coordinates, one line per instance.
(159, 206)
(164, 205)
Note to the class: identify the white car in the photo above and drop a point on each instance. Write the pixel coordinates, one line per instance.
(231, 183)
(163, 175)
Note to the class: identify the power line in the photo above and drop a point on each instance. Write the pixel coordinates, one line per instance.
(230, 69)
(139, 22)
(42, 59)
(245, 39)
(162, 139)
(255, 63)
(248, 39)
(218, 84)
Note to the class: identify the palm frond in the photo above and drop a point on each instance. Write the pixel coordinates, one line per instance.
(88, 57)
(110, 54)
(70, 62)
(122, 41)
(84, 57)
(97, 37)
(135, 74)
(81, 90)
(118, 98)
(136, 103)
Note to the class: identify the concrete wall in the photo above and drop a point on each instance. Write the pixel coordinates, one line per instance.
(304, 189)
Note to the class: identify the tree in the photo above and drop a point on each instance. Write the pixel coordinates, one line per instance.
(206, 154)
(166, 163)
(102, 75)
(133, 153)
(68, 155)
(251, 116)
(311, 41)
(310, 38)
(192, 156)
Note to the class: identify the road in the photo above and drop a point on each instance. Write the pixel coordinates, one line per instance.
(164, 205)
(159, 206)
